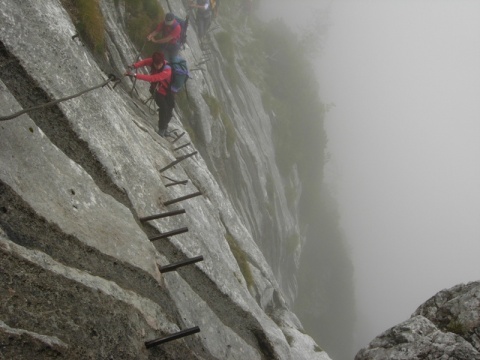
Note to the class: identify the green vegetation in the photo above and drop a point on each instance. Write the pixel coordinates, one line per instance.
(241, 260)
(278, 65)
(227, 48)
(141, 19)
(190, 114)
(185, 106)
(213, 105)
(217, 111)
(291, 92)
(325, 280)
(456, 327)
(225, 42)
(89, 21)
(276, 61)
(230, 130)
(292, 243)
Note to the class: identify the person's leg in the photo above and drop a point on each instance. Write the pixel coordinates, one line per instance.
(162, 113)
(175, 50)
(208, 21)
(200, 26)
(170, 103)
(168, 51)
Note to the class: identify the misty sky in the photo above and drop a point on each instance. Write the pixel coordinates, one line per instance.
(404, 140)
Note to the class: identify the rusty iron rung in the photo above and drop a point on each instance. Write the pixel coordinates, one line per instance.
(177, 335)
(169, 233)
(162, 215)
(173, 201)
(175, 266)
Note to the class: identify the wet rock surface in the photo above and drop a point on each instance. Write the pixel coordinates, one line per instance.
(79, 275)
(444, 327)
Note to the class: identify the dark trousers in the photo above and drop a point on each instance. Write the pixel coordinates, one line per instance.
(170, 50)
(203, 23)
(165, 103)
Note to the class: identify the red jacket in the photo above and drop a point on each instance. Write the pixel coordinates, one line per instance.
(162, 77)
(173, 30)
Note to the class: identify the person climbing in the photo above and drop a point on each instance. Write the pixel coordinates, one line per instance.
(203, 16)
(159, 78)
(170, 31)
(248, 7)
(215, 5)
(248, 11)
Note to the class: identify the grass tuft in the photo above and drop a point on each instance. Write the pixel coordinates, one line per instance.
(141, 19)
(217, 112)
(89, 21)
(242, 261)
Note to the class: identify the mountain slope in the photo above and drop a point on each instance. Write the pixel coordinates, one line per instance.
(80, 276)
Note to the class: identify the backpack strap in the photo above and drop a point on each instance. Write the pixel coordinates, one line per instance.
(154, 86)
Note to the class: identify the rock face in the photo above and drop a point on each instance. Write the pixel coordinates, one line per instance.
(447, 326)
(79, 274)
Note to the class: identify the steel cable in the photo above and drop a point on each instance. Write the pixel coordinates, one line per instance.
(111, 77)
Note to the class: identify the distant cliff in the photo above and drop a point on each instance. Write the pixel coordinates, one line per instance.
(447, 326)
(83, 272)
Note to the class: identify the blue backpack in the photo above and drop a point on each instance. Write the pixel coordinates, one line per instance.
(180, 73)
(184, 25)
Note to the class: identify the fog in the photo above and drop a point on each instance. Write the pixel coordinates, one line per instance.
(404, 145)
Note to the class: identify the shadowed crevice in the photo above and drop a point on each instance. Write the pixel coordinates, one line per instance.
(53, 122)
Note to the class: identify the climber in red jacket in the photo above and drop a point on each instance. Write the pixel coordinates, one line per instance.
(170, 31)
(159, 78)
